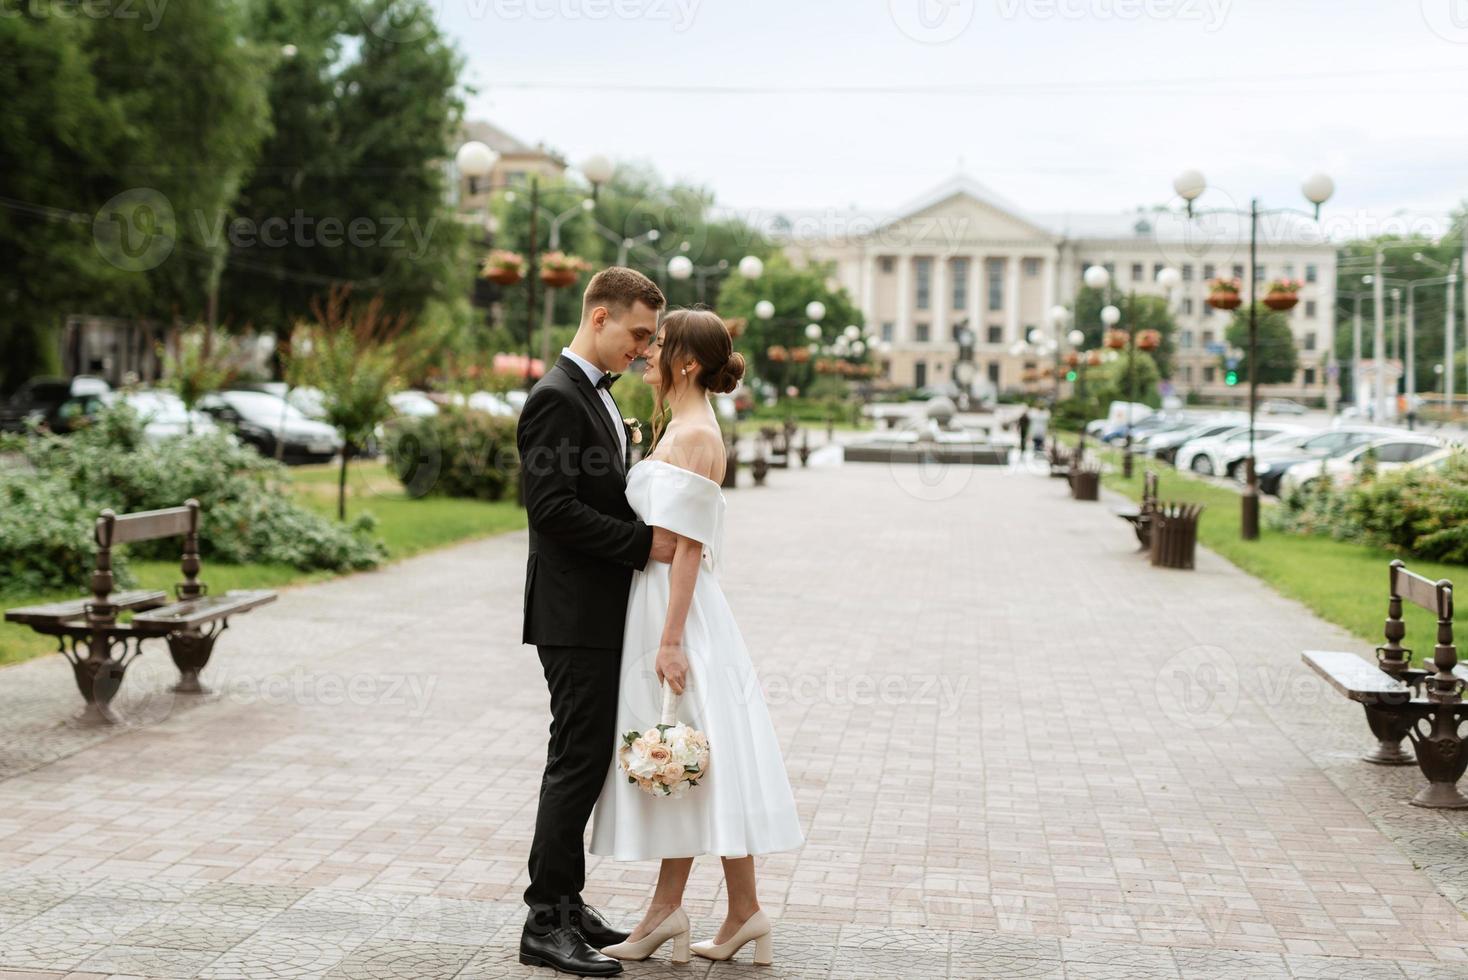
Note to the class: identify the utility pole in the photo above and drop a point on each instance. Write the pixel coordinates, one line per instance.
(1356, 355)
(1449, 355)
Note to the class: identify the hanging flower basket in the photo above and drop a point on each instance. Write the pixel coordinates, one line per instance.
(1149, 340)
(777, 353)
(800, 355)
(1072, 359)
(558, 270)
(1093, 359)
(1223, 294)
(1283, 294)
(503, 267)
(1116, 339)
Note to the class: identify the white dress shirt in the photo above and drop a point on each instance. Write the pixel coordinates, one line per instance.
(595, 374)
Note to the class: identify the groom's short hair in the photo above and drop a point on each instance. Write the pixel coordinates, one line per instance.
(617, 288)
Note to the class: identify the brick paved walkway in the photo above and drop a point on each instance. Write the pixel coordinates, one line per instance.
(1018, 750)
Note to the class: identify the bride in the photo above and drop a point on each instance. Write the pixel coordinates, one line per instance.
(680, 630)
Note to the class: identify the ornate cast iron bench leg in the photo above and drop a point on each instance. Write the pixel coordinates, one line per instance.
(1441, 755)
(191, 650)
(1390, 725)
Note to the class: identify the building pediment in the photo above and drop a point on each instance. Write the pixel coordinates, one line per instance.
(957, 215)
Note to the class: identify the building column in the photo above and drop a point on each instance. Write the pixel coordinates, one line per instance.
(1011, 298)
(869, 286)
(904, 299)
(938, 301)
(975, 318)
(1047, 293)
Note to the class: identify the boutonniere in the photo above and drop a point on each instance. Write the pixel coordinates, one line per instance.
(636, 427)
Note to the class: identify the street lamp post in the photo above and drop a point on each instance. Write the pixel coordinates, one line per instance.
(628, 244)
(1317, 190)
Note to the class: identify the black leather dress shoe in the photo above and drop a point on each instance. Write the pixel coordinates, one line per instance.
(564, 950)
(596, 929)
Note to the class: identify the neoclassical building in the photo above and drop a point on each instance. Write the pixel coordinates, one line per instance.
(959, 256)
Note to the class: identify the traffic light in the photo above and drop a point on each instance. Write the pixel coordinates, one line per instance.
(1231, 378)
(1070, 375)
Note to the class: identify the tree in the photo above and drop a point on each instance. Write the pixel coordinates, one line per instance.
(790, 289)
(1277, 357)
(354, 353)
(130, 131)
(1137, 313)
(350, 187)
(195, 365)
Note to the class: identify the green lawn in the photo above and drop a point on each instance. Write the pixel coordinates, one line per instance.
(1340, 581)
(407, 526)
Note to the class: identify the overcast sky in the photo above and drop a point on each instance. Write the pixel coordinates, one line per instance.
(1054, 104)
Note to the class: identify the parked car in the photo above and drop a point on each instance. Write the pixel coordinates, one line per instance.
(1272, 462)
(163, 414)
(1218, 455)
(263, 420)
(1391, 453)
(58, 404)
(416, 404)
(1164, 446)
(1281, 406)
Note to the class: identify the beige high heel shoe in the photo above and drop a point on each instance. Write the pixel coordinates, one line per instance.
(757, 928)
(674, 926)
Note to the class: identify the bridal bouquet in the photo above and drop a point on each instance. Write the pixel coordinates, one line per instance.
(669, 757)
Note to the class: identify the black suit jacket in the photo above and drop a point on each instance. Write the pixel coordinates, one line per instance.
(585, 539)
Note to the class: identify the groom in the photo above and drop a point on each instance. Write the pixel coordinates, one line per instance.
(584, 543)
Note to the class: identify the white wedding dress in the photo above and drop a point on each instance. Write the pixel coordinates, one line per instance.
(743, 805)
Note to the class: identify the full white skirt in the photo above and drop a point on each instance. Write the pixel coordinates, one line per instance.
(744, 804)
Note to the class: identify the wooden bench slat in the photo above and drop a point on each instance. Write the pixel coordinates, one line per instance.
(1416, 589)
(1354, 677)
(192, 612)
(51, 613)
(150, 524)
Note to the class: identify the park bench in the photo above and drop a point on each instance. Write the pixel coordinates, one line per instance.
(1140, 518)
(1423, 705)
(100, 647)
(1085, 480)
(1174, 534)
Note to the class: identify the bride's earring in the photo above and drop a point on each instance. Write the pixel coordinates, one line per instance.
(685, 372)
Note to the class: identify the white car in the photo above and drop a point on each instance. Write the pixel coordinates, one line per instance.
(1391, 453)
(1219, 454)
(1164, 445)
(163, 414)
(415, 404)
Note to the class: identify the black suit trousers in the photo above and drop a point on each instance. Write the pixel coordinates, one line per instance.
(583, 684)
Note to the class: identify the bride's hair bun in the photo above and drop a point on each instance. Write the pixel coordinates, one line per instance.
(726, 379)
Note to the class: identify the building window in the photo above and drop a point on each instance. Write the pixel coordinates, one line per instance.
(960, 283)
(1208, 271)
(1187, 272)
(887, 331)
(994, 270)
(1310, 341)
(1309, 376)
(1258, 273)
(1209, 373)
(1289, 270)
(1239, 271)
(1157, 268)
(1187, 339)
(1137, 272)
(1188, 373)
(885, 263)
(924, 268)
(922, 333)
(1187, 306)
(1311, 274)
(1032, 268)
(1207, 337)
(996, 334)
(920, 374)
(1207, 310)
(994, 373)
(1310, 308)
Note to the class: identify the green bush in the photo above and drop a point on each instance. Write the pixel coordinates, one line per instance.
(248, 516)
(456, 453)
(1415, 513)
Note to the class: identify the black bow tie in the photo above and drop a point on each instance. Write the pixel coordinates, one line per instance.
(606, 381)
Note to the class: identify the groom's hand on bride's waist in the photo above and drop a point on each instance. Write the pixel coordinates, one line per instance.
(664, 545)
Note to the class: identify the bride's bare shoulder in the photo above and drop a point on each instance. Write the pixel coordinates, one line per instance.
(699, 449)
